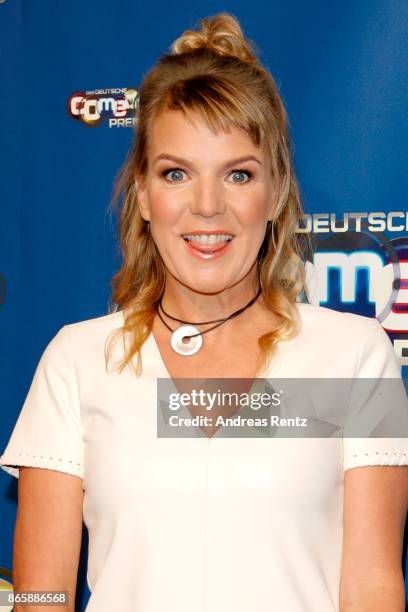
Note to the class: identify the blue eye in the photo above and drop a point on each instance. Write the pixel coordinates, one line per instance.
(166, 172)
(179, 171)
(242, 171)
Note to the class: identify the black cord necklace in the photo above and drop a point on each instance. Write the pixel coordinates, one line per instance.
(191, 333)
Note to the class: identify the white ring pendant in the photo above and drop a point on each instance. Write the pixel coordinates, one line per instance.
(186, 348)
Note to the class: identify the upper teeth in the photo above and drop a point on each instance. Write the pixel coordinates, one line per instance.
(208, 238)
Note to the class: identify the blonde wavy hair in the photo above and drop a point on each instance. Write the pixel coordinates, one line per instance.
(215, 72)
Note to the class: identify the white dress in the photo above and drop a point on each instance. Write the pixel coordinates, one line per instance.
(201, 524)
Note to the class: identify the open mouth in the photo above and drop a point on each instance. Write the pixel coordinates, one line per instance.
(207, 244)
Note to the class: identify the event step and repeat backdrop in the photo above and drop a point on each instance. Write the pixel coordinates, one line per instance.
(70, 73)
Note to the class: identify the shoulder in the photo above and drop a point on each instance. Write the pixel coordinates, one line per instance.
(95, 327)
(348, 336)
(109, 320)
(320, 320)
(86, 339)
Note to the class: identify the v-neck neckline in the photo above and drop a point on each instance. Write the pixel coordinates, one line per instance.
(162, 372)
(166, 374)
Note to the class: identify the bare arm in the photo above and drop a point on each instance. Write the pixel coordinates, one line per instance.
(375, 510)
(47, 537)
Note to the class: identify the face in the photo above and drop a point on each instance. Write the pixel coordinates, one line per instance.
(195, 185)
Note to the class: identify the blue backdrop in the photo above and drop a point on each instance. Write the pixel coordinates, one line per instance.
(67, 74)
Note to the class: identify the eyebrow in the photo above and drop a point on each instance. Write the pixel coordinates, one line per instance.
(185, 162)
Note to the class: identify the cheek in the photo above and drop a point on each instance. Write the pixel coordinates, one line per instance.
(164, 215)
(252, 211)
(164, 207)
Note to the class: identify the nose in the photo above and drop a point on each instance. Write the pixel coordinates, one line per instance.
(207, 198)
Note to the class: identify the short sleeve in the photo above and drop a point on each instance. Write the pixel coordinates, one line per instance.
(382, 404)
(48, 431)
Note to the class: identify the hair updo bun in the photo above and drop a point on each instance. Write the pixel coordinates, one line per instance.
(221, 34)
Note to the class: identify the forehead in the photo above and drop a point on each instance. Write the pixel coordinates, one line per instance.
(173, 131)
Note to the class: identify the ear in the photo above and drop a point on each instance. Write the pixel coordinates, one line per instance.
(142, 199)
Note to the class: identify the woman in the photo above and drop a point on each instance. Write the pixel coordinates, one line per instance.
(208, 288)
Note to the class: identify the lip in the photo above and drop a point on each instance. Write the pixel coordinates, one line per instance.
(208, 251)
(206, 232)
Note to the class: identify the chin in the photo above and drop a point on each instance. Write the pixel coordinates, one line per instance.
(204, 285)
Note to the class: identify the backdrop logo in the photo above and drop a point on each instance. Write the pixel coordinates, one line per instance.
(117, 107)
(360, 269)
(396, 221)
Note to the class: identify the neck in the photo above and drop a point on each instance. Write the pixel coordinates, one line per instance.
(185, 303)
